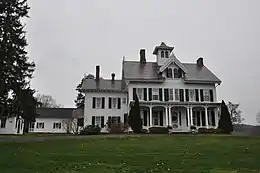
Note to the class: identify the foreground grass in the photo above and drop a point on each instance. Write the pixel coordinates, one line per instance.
(214, 154)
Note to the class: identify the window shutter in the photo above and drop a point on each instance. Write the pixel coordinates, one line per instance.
(145, 94)
(197, 94)
(102, 122)
(125, 118)
(160, 94)
(53, 126)
(166, 94)
(94, 102)
(103, 102)
(201, 95)
(161, 118)
(150, 94)
(119, 103)
(187, 117)
(109, 122)
(134, 93)
(93, 120)
(211, 95)
(145, 117)
(118, 120)
(109, 103)
(181, 95)
(187, 95)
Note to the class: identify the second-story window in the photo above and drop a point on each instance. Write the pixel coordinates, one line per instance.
(177, 94)
(169, 73)
(114, 103)
(155, 92)
(98, 102)
(206, 95)
(162, 54)
(124, 100)
(192, 94)
(140, 93)
(170, 94)
(166, 54)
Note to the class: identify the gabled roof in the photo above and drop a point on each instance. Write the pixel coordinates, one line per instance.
(171, 60)
(55, 112)
(135, 70)
(102, 85)
(163, 46)
(201, 74)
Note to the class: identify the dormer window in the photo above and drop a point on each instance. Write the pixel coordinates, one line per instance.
(169, 73)
(166, 54)
(177, 73)
(162, 54)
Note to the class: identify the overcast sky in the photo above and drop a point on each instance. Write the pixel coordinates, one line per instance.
(68, 38)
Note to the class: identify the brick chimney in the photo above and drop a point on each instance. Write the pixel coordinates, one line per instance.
(142, 56)
(113, 77)
(97, 72)
(200, 62)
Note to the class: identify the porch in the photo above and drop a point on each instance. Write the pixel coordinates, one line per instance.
(179, 117)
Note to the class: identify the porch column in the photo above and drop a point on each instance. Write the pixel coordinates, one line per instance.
(191, 117)
(151, 122)
(166, 116)
(216, 116)
(170, 116)
(188, 115)
(206, 116)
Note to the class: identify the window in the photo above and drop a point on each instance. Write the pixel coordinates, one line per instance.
(170, 94)
(40, 125)
(114, 103)
(192, 95)
(169, 73)
(3, 122)
(56, 125)
(166, 54)
(156, 120)
(98, 121)
(124, 100)
(206, 95)
(31, 125)
(162, 54)
(177, 94)
(98, 102)
(155, 92)
(140, 93)
(176, 73)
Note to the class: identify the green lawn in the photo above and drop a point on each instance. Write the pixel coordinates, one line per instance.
(214, 154)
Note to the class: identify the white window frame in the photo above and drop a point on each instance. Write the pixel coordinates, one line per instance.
(139, 92)
(171, 95)
(98, 121)
(56, 125)
(176, 94)
(155, 93)
(114, 102)
(124, 100)
(206, 95)
(40, 125)
(98, 102)
(192, 95)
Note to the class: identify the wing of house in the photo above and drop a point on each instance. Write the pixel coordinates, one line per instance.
(171, 93)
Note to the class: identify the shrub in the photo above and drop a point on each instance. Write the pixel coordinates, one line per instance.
(144, 131)
(210, 131)
(117, 128)
(169, 127)
(159, 130)
(90, 130)
(193, 127)
(202, 130)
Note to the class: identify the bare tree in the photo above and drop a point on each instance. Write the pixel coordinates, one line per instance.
(70, 125)
(235, 113)
(47, 101)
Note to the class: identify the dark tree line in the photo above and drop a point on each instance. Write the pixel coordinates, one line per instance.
(16, 95)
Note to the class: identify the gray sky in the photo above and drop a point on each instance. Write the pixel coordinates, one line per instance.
(68, 38)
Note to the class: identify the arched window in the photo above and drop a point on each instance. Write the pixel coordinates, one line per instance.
(162, 54)
(166, 54)
(169, 73)
(176, 73)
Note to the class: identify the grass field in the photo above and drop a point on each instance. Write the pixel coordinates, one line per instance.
(214, 154)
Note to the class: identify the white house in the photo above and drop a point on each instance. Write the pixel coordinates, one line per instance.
(171, 93)
(12, 125)
(52, 120)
